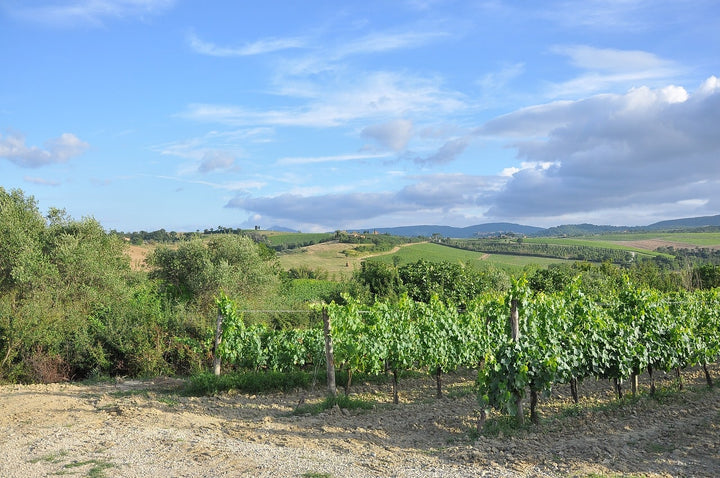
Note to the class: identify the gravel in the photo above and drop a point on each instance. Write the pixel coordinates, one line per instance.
(147, 428)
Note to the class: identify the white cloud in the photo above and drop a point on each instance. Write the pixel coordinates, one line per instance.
(57, 150)
(608, 59)
(258, 47)
(383, 41)
(328, 159)
(434, 195)
(41, 181)
(372, 96)
(447, 152)
(88, 12)
(394, 135)
(216, 161)
(610, 151)
(607, 68)
(227, 185)
(213, 151)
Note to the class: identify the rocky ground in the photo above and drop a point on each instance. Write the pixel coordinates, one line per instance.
(148, 428)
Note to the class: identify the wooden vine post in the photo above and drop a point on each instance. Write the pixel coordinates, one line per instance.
(216, 344)
(515, 330)
(329, 355)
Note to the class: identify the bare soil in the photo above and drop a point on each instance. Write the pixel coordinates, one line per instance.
(148, 428)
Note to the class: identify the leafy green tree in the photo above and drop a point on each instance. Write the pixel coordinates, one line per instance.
(197, 270)
(21, 230)
(70, 306)
(382, 280)
(450, 282)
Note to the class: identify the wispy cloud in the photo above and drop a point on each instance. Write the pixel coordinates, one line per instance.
(41, 181)
(379, 42)
(87, 12)
(57, 150)
(258, 47)
(327, 159)
(607, 68)
(375, 95)
(214, 151)
(229, 185)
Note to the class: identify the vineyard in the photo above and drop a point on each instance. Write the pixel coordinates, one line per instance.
(559, 338)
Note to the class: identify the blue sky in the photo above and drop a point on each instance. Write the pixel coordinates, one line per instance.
(325, 115)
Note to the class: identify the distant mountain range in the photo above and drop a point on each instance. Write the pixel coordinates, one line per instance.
(499, 228)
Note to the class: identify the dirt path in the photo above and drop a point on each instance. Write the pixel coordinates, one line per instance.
(135, 428)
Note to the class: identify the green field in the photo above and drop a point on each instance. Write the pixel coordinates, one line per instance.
(438, 253)
(327, 256)
(699, 239)
(430, 252)
(293, 238)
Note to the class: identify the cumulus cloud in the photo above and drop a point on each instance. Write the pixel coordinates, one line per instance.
(325, 209)
(57, 150)
(645, 147)
(393, 135)
(431, 195)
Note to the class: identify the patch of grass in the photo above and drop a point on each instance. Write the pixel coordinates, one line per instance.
(170, 401)
(247, 382)
(602, 475)
(97, 470)
(51, 458)
(315, 474)
(461, 392)
(658, 448)
(504, 425)
(572, 410)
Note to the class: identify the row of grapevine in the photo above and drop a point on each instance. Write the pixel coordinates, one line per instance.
(563, 338)
(568, 336)
(258, 346)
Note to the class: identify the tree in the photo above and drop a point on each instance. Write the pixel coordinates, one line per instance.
(381, 279)
(196, 271)
(21, 230)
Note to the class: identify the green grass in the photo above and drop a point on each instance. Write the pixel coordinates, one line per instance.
(248, 382)
(97, 470)
(430, 252)
(51, 458)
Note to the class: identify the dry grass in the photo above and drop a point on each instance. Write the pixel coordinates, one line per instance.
(137, 256)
